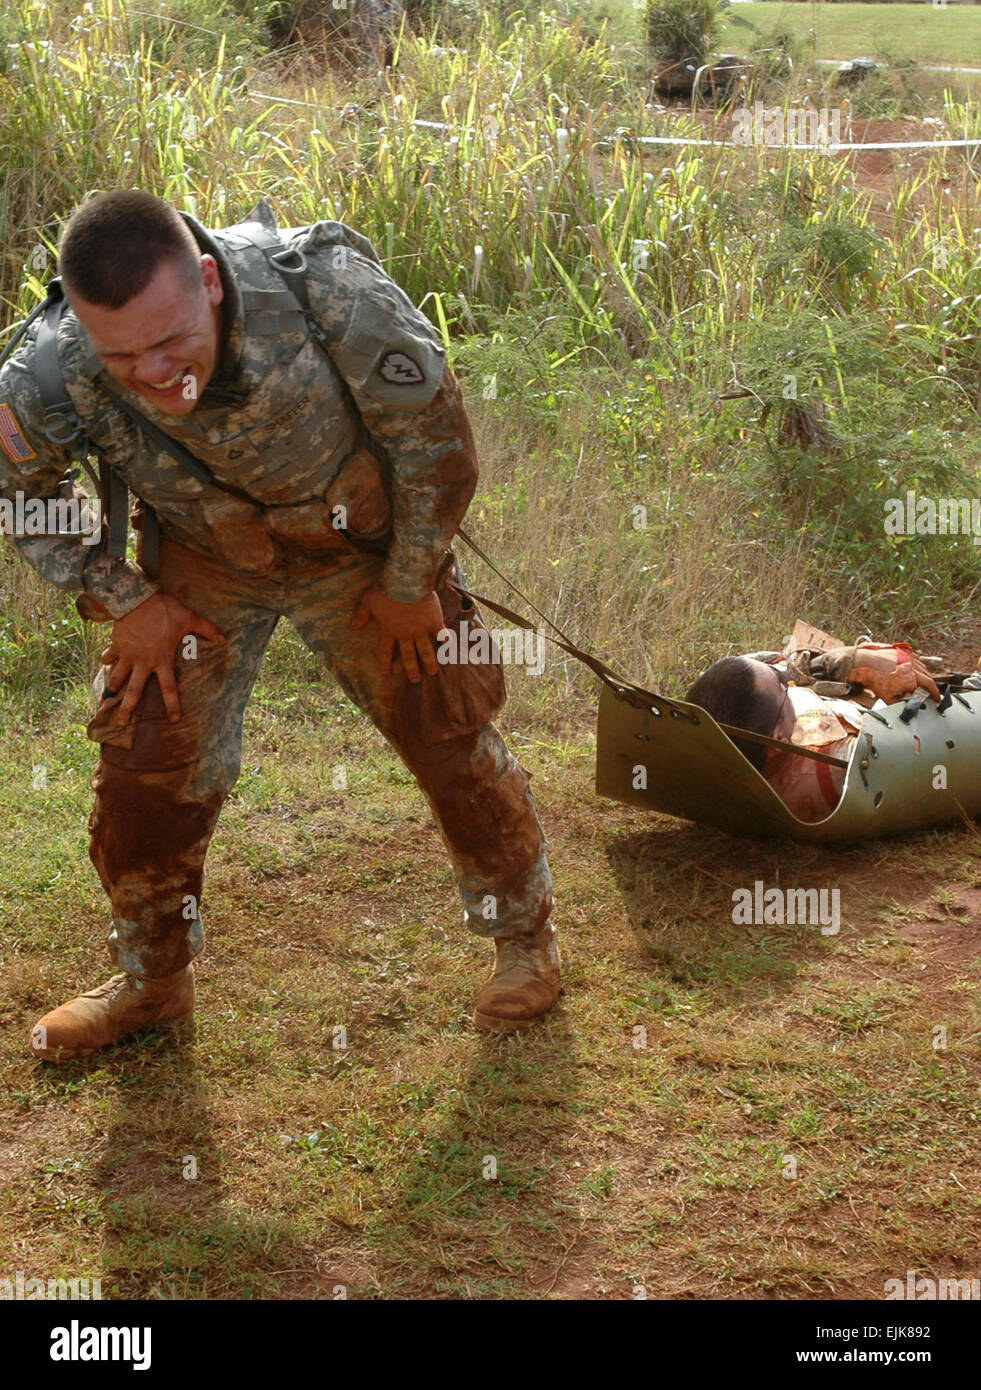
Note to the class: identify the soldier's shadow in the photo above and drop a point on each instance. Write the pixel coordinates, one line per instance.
(168, 1229)
(461, 1215)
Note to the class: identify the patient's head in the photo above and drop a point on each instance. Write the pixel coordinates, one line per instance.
(749, 695)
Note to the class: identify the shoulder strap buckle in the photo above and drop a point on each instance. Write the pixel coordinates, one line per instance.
(62, 424)
(294, 276)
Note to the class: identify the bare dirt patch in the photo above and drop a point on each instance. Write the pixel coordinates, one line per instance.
(952, 936)
(876, 171)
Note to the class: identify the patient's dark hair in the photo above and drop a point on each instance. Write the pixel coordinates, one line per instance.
(728, 691)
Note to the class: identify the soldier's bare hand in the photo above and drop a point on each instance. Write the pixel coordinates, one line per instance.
(411, 625)
(144, 644)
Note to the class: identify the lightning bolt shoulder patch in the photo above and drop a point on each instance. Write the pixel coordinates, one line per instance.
(400, 369)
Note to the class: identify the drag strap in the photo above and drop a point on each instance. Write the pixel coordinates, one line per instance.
(624, 689)
(561, 638)
(635, 694)
(598, 667)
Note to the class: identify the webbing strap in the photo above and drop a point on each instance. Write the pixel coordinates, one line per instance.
(266, 301)
(481, 554)
(163, 441)
(273, 311)
(150, 548)
(116, 499)
(19, 330)
(294, 275)
(624, 689)
(119, 497)
(62, 424)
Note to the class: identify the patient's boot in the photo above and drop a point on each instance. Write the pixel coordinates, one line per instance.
(107, 1013)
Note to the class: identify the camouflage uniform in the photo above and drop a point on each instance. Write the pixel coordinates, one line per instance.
(286, 428)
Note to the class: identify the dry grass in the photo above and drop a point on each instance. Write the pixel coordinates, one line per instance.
(616, 1165)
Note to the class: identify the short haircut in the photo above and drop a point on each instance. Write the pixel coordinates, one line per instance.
(727, 690)
(113, 244)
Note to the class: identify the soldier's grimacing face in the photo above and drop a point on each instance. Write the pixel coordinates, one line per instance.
(163, 343)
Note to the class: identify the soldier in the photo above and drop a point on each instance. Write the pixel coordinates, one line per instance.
(336, 471)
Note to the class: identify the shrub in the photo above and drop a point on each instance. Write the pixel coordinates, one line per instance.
(680, 31)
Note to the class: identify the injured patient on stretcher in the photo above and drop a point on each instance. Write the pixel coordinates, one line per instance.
(814, 694)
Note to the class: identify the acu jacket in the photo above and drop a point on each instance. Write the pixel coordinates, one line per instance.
(278, 420)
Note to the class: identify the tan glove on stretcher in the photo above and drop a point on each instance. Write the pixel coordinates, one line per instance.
(888, 671)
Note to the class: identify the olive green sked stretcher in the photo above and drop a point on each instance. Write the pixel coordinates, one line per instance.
(671, 756)
(900, 777)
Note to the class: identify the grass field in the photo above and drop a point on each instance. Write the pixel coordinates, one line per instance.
(919, 32)
(713, 1110)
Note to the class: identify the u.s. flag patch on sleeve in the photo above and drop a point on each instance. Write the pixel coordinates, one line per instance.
(13, 441)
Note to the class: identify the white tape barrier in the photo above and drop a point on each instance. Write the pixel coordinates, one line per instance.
(924, 67)
(442, 128)
(794, 145)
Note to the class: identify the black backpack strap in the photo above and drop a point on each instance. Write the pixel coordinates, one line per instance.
(63, 425)
(115, 502)
(21, 328)
(150, 549)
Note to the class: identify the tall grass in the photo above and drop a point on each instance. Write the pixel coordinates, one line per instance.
(598, 301)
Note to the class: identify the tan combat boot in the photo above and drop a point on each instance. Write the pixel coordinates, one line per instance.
(109, 1012)
(525, 983)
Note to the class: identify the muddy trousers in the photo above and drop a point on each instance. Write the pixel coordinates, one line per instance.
(160, 786)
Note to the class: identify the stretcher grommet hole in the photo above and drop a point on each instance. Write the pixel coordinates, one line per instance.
(950, 743)
(877, 799)
(656, 712)
(916, 743)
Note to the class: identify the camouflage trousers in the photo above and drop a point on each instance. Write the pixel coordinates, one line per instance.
(160, 786)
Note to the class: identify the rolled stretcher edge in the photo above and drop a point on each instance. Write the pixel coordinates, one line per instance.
(672, 757)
